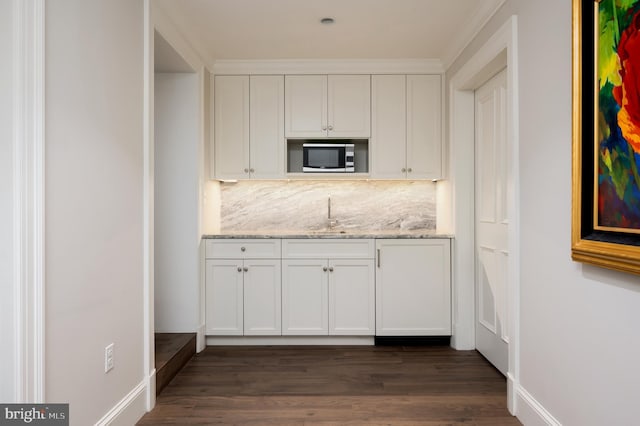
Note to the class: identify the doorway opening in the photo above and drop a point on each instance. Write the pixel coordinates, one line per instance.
(176, 138)
(498, 53)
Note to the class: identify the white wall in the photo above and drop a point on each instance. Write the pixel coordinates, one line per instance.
(94, 200)
(579, 338)
(176, 202)
(7, 366)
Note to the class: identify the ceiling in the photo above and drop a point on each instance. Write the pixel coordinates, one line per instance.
(363, 29)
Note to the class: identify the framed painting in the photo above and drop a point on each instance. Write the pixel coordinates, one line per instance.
(606, 134)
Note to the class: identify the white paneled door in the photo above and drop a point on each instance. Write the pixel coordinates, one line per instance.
(492, 222)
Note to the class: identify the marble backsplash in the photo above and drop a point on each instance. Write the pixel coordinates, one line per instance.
(277, 206)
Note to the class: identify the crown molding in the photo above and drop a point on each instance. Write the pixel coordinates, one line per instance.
(469, 32)
(329, 66)
(185, 46)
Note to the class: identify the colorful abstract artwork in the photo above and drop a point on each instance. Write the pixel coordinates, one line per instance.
(605, 197)
(617, 120)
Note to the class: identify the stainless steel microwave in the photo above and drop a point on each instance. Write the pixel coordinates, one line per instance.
(328, 158)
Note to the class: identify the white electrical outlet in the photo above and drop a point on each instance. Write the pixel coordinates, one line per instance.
(108, 358)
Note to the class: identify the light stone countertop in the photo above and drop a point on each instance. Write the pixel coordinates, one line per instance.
(337, 234)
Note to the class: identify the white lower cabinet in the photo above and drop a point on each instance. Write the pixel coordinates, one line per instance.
(328, 296)
(262, 298)
(305, 298)
(243, 295)
(413, 287)
(351, 297)
(224, 297)
(307, 287)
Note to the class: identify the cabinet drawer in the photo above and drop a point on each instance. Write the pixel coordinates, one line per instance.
(328, 248)
(243, 249)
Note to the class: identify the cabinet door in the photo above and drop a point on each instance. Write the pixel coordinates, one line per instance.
(306, 106)
(267, 141)
(231, 127)
(413, 290)
(349, 106)
(262, 315)
(304, 297)
(388, 127)
(424, 122)
(223, 295)
(351, 297)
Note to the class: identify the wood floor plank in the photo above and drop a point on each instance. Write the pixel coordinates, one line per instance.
(366, 385)
(169, 344)
(173, 351)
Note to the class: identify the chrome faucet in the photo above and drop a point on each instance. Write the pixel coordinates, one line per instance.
(330, 222)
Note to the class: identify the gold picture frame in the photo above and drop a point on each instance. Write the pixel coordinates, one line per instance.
(613, 249)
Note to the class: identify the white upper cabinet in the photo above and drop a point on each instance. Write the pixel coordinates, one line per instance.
(388, 127)
(424, 127)
(406, 139)
(267, 147)
(400, 114)
(334, 106)
(231, 127)
(349, 109)
(305, 106)
(249, 127)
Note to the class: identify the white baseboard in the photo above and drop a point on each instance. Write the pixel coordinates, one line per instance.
(129, 410)
(289, 340)
(151, 391)
(530, 412)
(511, 394)
(201, 339)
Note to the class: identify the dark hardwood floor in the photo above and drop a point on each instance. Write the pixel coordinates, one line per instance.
(173, 351)
(366, 385)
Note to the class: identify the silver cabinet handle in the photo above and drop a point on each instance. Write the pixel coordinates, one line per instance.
(324, 269)
(378, 258)
(410, 170)
(245, 269)
(324, 127)
(239, 269)
(404, 170)
(243, 249)
(246, 170)
(330, 127)
(331, 269)
(252, 171)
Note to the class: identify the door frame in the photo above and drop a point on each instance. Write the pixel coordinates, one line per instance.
(156, 19)
(498, 52)
(28, 202)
